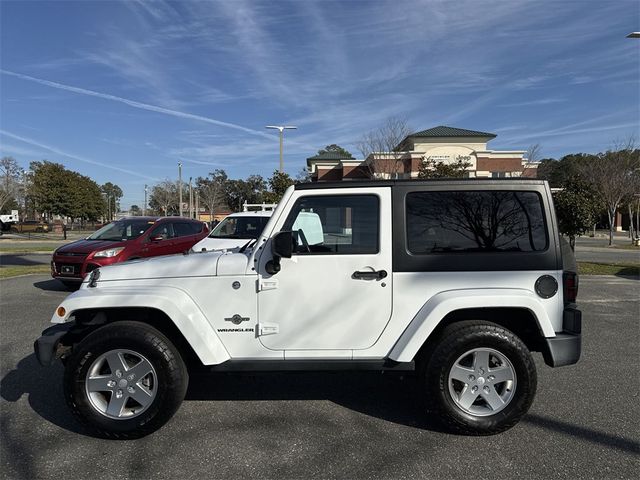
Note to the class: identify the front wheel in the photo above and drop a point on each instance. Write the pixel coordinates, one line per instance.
(480, 378)
(125, 380)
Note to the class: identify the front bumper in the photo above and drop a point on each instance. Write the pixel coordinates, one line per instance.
(47, 346)
(565, 348)
(72, 269)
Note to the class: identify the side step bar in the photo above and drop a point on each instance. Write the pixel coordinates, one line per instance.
(311, 365)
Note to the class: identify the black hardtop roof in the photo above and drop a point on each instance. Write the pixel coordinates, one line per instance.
(416, 183)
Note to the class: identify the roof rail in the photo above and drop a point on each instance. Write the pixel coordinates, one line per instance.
(262, 206)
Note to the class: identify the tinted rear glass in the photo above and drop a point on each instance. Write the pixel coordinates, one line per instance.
(474, 221)
(183, 229)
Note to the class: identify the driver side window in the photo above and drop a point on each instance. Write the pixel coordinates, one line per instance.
(164, 230)
(335, 224)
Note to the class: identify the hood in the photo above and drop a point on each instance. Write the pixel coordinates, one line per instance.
(88, 246)
(220, 243)
(174, 266)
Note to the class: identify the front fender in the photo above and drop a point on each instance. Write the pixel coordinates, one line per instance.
(174, 302)
(440, 305)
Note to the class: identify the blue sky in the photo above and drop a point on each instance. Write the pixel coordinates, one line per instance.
(122, 91)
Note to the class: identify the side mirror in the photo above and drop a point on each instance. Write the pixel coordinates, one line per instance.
(282, 244)
(281, 247)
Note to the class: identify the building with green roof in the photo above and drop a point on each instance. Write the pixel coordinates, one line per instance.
(438, 144)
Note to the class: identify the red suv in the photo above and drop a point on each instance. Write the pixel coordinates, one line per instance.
(126, 239)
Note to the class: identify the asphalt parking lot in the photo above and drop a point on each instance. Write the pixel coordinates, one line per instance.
(583, 424)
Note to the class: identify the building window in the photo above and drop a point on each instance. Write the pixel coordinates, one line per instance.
(498, 174)
(475, 221)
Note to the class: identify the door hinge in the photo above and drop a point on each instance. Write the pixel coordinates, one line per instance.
(267, 284)
(268, 328)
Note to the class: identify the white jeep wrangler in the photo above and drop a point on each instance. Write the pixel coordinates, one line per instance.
(456, 280)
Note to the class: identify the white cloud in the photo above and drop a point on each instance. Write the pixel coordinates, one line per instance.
(62, 153)
(135, 104)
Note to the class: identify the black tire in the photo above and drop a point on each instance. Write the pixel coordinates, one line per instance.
(458, 339)
(172, 378)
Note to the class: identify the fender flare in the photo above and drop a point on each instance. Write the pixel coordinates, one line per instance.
(174, 302)
(443, 303)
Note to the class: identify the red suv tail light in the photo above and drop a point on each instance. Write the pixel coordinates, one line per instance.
(570, 286)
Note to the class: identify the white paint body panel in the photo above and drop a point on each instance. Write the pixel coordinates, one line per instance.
(415, 293)
(318, 305)
(172, 300)
(313, 306)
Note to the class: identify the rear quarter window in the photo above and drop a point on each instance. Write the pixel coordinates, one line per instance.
(475, 221)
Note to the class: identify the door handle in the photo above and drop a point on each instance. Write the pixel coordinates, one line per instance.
(369, 275)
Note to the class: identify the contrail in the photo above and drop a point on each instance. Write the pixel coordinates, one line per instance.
(75, 157)
(134, 104)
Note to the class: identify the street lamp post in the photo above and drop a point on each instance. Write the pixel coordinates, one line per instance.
(197, 193)
(144, 207)
(190, 199)
(180, 187)
(281, 129)
(24, 194)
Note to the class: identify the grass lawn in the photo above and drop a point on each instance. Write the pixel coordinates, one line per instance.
(29, 249)
(14, 271)
(587, 268)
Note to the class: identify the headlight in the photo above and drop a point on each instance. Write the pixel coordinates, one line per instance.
(111, 252)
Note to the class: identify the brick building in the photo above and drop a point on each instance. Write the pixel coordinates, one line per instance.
(438, 144)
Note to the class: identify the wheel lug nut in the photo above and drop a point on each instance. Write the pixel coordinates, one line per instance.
(131, 377)
(472, 378)
(111, 384)
(119, 394)
(486, 389)
(130, 389)
(491, 378)
(118, 374)
(474, 389)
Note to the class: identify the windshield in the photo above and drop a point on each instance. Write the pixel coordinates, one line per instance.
(239, 227)
(122, 230)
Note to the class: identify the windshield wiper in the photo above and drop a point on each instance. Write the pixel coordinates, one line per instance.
(246, 245)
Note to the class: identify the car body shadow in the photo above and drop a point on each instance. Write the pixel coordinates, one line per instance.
(43, 387)
(20, 260)
(388, 397)
(392, 397)
(629, 273)
(55, 286)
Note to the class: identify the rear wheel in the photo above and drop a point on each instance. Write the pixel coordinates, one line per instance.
(125, 380)
(480, 378)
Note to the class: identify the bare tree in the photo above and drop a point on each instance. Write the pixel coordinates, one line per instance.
(614, 176)
(9, 180)
(382, 148)
(164, 197)
(212, 189)
(532, 157)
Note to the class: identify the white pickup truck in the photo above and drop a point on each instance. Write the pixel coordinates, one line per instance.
(7, 220)
(456, 281)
